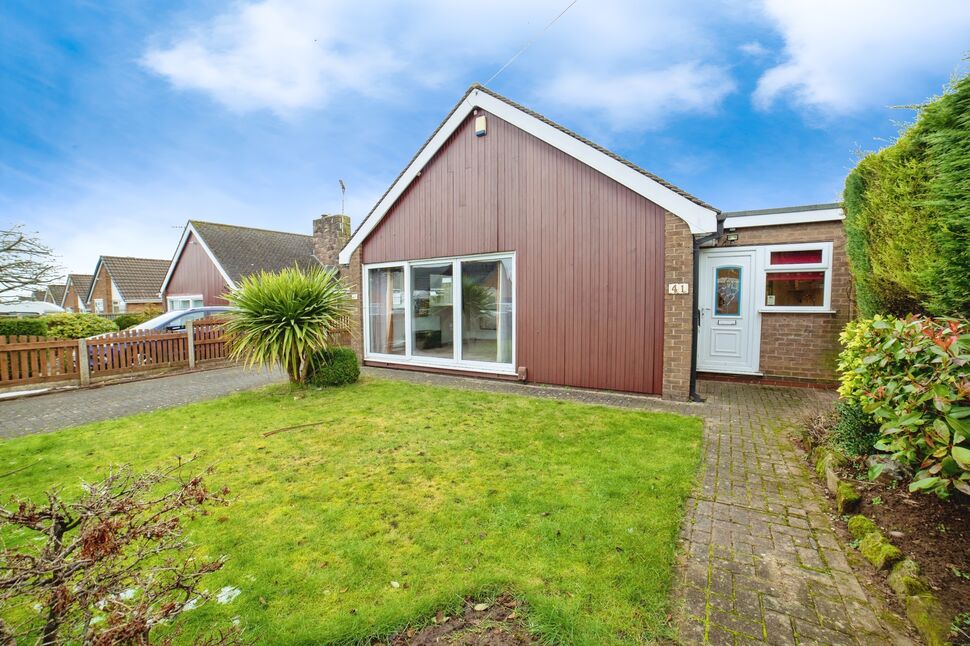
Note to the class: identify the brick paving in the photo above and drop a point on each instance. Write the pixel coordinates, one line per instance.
(760, 560)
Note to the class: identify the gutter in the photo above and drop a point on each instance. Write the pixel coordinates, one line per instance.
(698, 242)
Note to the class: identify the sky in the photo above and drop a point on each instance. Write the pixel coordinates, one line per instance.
(120, 121)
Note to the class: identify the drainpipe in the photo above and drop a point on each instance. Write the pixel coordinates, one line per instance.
(694, 396)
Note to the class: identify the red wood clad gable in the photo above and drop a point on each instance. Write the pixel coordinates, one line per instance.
(589, 252)
(195, 273)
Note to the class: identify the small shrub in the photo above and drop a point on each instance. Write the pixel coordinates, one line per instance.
(285, 318)
(855, 432)
(913, 376)
(77, 325)
(23, 327)
(335, 367)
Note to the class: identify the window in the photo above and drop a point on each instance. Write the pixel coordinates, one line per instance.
(99, 306)
(727, 295)
(385, 310)
(456, 312)
(798, 277)
(176, 303)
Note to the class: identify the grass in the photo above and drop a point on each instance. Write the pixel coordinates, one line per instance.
(573, 508)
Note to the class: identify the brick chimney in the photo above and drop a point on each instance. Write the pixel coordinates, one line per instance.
(330, 235)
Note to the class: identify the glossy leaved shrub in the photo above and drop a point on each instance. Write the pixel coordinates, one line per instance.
(912, 375)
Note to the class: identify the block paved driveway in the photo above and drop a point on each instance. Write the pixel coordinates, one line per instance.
(53, 411)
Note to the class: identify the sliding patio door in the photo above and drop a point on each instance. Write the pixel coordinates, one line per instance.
(455, 312)
(432, 309)
(386, 311)
(486, 309)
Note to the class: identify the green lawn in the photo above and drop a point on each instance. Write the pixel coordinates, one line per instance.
(573, 508)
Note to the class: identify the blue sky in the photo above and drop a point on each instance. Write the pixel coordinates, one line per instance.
(121, 120)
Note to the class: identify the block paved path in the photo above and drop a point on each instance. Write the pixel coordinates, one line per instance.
(761, 562)
(56, 410)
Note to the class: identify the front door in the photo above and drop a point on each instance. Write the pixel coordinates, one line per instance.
(728, 336)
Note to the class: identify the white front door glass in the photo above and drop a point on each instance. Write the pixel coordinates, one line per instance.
(729, 331)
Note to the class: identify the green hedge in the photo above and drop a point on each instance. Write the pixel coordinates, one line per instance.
(77, 325)
(908, 215)
(126, 321)
(334, 367)
(911, 376)
(23, 327)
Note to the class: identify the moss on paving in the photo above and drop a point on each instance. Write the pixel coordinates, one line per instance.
(574, 508)
(878, 551)
(859, 526)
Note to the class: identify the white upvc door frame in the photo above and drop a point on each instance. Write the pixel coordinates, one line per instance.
(455, 362)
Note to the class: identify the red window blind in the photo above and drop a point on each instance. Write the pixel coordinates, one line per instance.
(805, 257)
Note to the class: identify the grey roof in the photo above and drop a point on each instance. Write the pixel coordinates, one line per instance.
(57, 293)
(533, 113)
(787, 209)
(138, 279)
(82, 285)
(242, 251)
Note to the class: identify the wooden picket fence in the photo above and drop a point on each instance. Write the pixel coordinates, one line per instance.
(37, 360)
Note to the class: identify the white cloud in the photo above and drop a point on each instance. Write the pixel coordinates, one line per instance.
(643, 100)
(754, 48)
(287, 55)
(846, 56)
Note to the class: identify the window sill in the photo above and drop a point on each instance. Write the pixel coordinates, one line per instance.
(795, 310)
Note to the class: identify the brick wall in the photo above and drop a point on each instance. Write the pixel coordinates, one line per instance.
(351, 274)
(678, 308)
(71, 300)
(804, 346)
(102, 289)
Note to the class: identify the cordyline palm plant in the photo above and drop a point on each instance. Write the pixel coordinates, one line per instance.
(284, 319)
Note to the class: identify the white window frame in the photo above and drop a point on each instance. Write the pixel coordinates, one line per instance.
(183, 297)
(767, 268)
(99, 306)
(455, 362)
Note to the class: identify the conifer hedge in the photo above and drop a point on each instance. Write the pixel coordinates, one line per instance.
(908, 215)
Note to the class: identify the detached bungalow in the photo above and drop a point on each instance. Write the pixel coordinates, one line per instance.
(514, 248)
(122, 284)
(213, 258)
(76, 292)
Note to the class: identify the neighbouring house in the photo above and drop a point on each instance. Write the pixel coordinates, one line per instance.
(213, 258)
(76, 292)
(123, 284)
(53, 294)
(514, 248)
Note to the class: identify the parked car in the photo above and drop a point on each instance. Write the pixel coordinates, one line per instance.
(175, 321)
(168, 322)
(28, 308)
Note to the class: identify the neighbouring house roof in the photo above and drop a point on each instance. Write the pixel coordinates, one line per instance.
(787, 215)
(241, 251)
(700, 216)
(81, 283)
(57, 293)
(138, 280)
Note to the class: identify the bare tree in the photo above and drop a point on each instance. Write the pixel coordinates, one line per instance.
(109, 567)
(25, 262)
